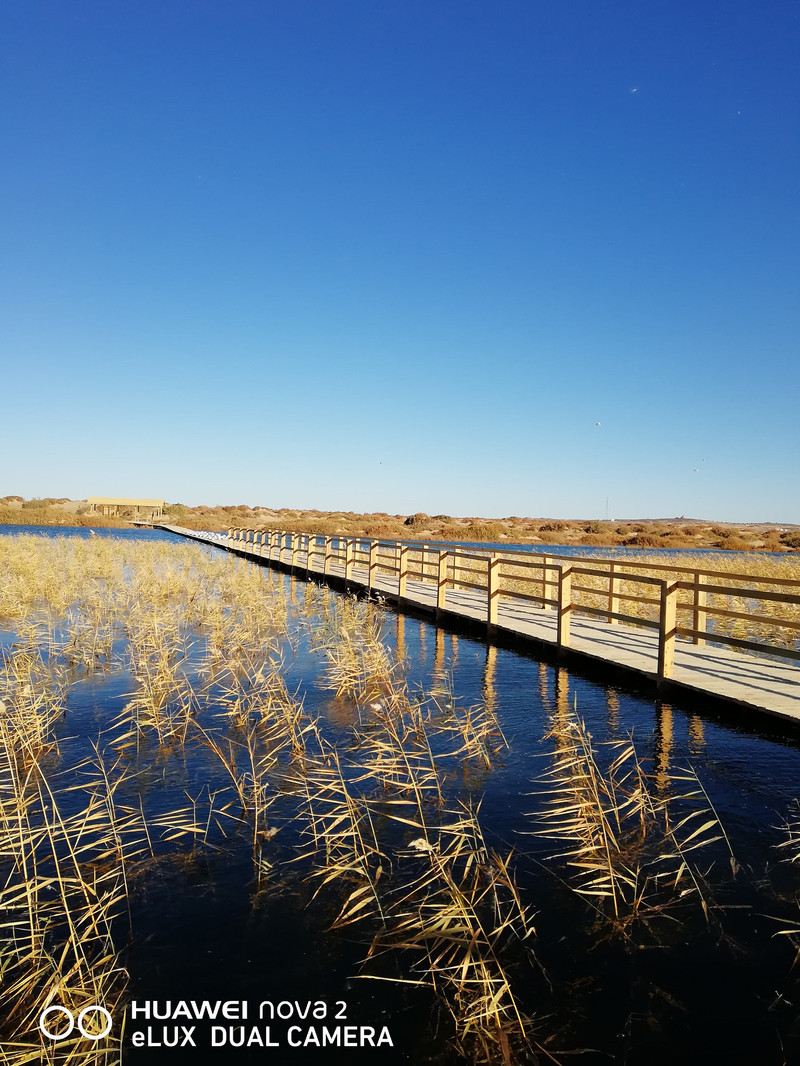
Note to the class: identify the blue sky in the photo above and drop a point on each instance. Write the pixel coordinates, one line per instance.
(403, 256)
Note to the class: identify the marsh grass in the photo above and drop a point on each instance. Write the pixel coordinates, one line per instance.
(70, 847)
(422, 873)
(629, 852)
(64, 883)
(370, 816)
(456, 919)
(359, 665)
(789, 851)
(32, 694)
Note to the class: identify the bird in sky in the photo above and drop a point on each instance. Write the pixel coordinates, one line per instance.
(598, 423)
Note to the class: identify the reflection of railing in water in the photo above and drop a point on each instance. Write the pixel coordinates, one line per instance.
(489, 680)
(663, 745)
(400, 637)
(599, 588)
(612, 704)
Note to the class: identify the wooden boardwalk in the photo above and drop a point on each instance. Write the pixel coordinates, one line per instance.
(698, 670)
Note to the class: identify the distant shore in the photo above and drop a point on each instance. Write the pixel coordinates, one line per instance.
(632, 533)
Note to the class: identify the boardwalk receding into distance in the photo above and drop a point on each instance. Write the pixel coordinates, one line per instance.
(570, 607)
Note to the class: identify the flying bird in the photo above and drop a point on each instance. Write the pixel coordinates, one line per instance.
(598, 423)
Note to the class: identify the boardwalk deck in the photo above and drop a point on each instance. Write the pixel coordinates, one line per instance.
(714, 673)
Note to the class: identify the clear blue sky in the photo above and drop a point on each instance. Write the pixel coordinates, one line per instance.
(403, 256)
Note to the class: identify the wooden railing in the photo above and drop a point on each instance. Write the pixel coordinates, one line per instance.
(675, 600)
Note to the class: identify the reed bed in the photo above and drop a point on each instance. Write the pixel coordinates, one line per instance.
(421, 873)
(373, 815)
(69, 846)
(630, 852)
(457, 918)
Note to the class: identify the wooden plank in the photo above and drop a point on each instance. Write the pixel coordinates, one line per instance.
(667, 630)
(403, 571)
(745, 594)
(613, 595)
(564, 607)
(373, 562)
(441, 591)
(745, 645)
(493, 589)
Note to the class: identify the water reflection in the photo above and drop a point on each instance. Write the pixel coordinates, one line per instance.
(612, 703)
(489, 688)
(562, 694)
(697, 734)
(663, 745)
(400, 637)
(438, 655)
(544, 688)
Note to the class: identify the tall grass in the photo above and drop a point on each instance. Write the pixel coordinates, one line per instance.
(629, 852)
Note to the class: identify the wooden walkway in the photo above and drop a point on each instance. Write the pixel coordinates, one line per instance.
(716, 675)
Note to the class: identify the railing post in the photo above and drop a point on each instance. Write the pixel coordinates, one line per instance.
(326, 558)
(348, 558)
(666, 629)
(564, 606)
(230, 533)
(261, 543)
(403, 571)
(545, 606)
(613, 593)
(294, 543)
(441, 589)
(492, 589)
(699, 613)
(373, 564)
(423, 555)
(308, 554)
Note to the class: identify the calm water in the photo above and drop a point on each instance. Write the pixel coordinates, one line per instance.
(136, 533)
(688, 992)
(577, 551)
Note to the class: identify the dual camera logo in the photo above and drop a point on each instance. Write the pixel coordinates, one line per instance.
(57, 1023)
